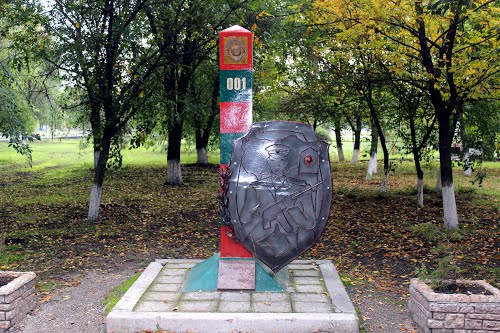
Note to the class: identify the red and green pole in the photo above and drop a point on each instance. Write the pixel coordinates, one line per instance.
(227, 272)
(235, 110)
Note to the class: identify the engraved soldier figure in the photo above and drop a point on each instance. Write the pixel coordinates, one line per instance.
(279, 202)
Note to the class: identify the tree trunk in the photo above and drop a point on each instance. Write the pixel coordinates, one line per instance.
(416, 159)
(95, 202)
(355, 156)
(203, 134)
(449, 207)
(338, 141)
(372, 164)
(97, 153)
(376, 122)
(386, 163)
(100, 160)
(385, 180)
(357, 145)
(340, 152)
(201, 146)
(467, 166)
(420, 183)
(174, 174)
(420, 192)
(202, 156)
(439, 185)
(448, 193)
(443, 108)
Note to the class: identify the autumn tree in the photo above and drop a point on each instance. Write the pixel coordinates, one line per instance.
(344, 107)
(455, 43)
(102, 48)
(367, 81)
(288, 80)
(415, 124)
(296, 80)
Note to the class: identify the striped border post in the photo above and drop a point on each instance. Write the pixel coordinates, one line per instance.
(235, 110)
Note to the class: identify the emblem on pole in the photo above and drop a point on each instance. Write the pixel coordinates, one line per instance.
(280, 190)
(236, 50)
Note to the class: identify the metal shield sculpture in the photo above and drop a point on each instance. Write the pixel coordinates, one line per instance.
(280, 190)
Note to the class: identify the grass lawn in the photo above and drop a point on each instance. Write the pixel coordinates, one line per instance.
(373, 237)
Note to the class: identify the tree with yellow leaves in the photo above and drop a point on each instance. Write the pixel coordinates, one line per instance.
(455, 43)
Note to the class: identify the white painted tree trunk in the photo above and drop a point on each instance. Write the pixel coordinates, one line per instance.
(372, 166)
(420, 193)
(385, 180)
(202, 156)
(355, 156)
(174, 175)
(449, 207)
(95, 202)
(468, 169)
(97, 153)
(340, 152)
(438, 181)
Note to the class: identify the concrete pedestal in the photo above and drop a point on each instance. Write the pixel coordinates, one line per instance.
(314, 301)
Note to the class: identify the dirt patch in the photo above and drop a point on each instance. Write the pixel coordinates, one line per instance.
(78, 307)
(467, 289)
(5, 280)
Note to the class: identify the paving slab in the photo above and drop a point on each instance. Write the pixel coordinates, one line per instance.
(314, 301)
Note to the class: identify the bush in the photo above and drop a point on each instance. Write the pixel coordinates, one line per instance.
(323, 134)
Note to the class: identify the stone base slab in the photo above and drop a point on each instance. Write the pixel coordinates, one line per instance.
(315, 301)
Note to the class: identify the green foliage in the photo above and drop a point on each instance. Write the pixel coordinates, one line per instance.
(437, 234)
(21, 146)
(346, 280)
(324, 134)
(16, 118)
(446, 267)
(466, 190)
(115, 159)
(117, 293)
(446, 270)
(479, 177)
(19, 85)
(11, 254)
(47, 286)
(360, 320)
(481, 129)
(14, 113)
(441, 54)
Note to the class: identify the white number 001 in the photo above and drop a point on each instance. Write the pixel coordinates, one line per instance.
(236, 83)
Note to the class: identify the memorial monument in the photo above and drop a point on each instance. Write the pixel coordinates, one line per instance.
(275, 197)
(279, 191)
(275, 184)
